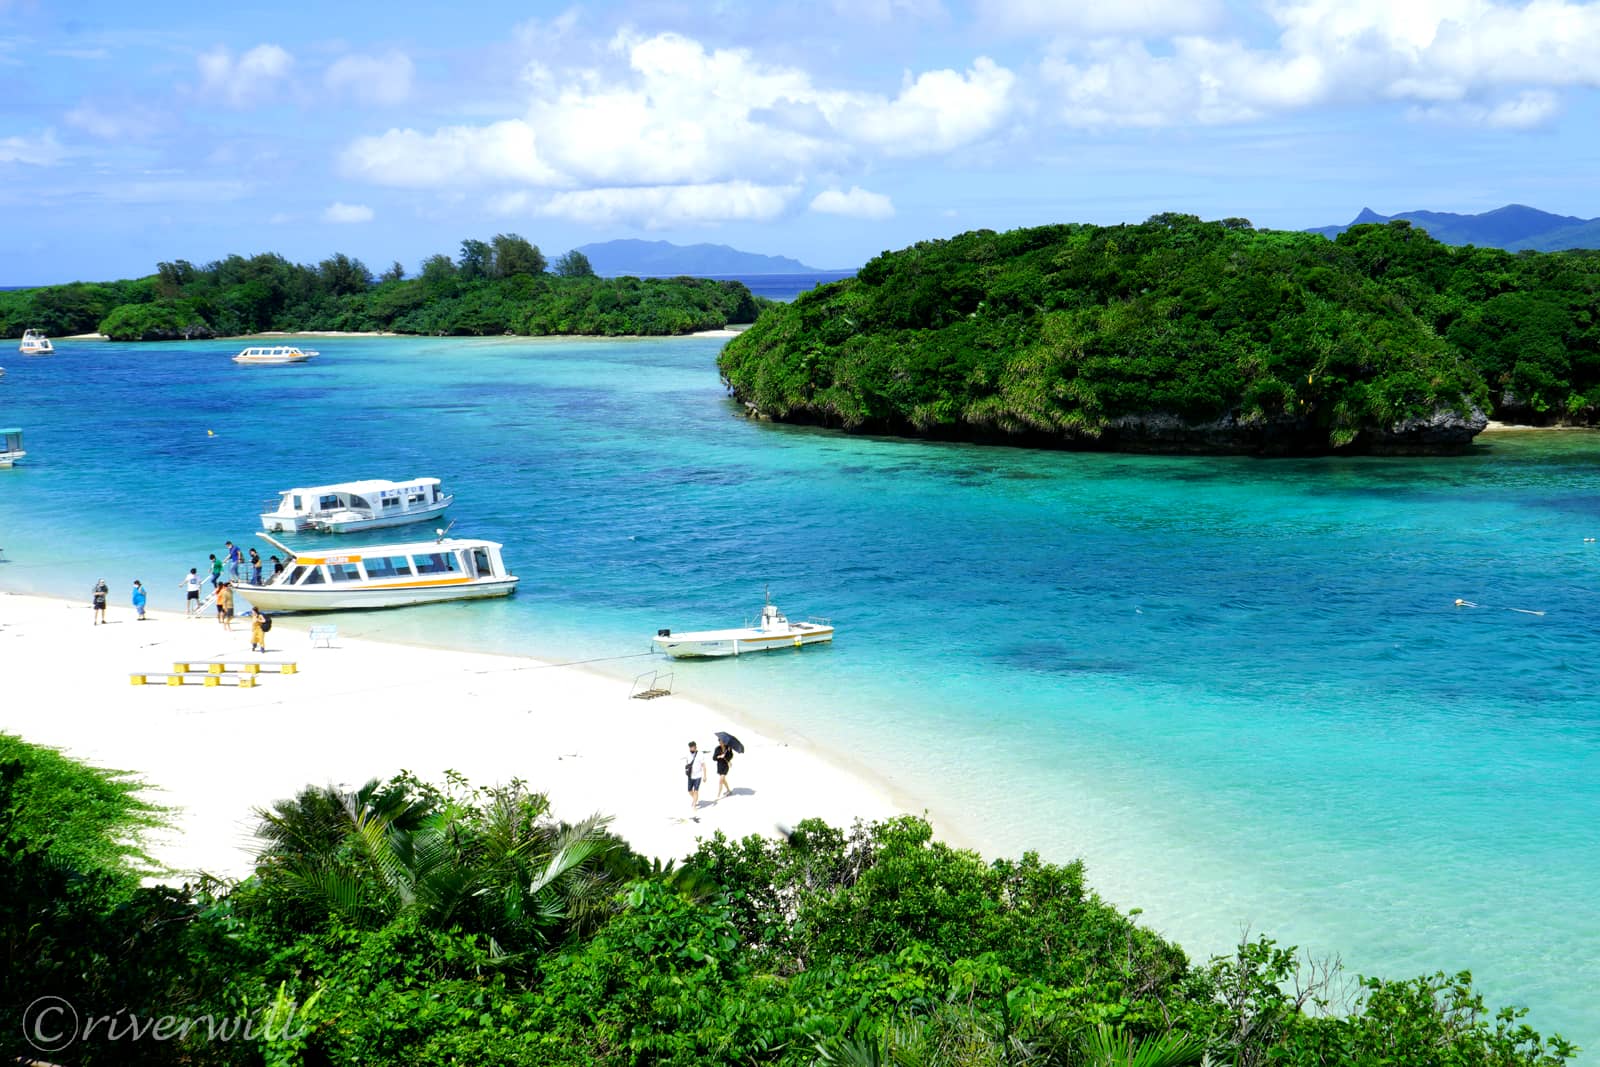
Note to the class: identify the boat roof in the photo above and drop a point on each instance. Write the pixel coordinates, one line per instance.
(11, 429)
(369, 485)
(409, 548)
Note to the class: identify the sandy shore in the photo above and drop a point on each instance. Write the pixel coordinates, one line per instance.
(1512, 427)
(365, 709)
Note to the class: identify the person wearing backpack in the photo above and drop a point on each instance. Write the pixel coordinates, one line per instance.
(259, 625)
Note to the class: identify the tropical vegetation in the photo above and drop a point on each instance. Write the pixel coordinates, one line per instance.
(408, 923)
(503, 286)
(1182, 331)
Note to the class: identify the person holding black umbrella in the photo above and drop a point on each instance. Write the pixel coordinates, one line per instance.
(727, 745)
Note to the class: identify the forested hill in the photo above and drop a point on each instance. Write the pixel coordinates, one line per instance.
(504, 286)
(1178, 334)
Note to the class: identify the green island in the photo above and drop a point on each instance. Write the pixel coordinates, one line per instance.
(503, 286)
(410, 922)
(1178, 334)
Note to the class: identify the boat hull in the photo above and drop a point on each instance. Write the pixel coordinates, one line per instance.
(321, 598)
(9, 458)
(714, 646)
(272, 522)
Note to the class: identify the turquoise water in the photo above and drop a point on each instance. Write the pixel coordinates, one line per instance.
(1239, 689)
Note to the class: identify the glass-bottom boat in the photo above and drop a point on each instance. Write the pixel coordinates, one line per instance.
(383, 576)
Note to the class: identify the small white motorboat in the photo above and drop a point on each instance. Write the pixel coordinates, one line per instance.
(346, 507)
(772, 631)
(383, 576)
(273, 354)
(35, 343)
(10, 447)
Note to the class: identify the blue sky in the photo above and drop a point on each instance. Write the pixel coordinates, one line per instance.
(132, 133)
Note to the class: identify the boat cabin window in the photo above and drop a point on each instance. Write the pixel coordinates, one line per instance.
(313, 576)
(416, 498)
(358, 501)
(298, 506)
(480, 562)
(389, 502)
(436, 563)
(328, 503)
(344, 572)
(388, 566)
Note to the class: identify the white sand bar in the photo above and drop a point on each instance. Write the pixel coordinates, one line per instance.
(365, 709)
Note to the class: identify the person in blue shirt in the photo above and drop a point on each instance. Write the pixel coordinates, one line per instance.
(138, 599)
(234, 560)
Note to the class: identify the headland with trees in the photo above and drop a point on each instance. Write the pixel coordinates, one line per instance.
(501, 286)
(1178, 334)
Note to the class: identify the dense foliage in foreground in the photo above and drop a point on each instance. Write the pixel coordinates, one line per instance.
(499, 287)
(1056, 333)
(407, 923)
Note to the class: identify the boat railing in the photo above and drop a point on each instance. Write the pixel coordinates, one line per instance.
(819, 620)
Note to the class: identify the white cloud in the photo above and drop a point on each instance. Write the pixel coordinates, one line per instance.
(339, 211)
(857, 203)
(253, 76)
(1496, 61)
(127, 124)
(40, 151)
(664, 111)
(1099, 18)
(384, 79)
(881, 11)
(661, 206)
(500, 152)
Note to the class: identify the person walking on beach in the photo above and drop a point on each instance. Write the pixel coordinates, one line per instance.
(100, 592)
(258, 634)
(225, 606)
(216, 571)
(722, 755)
(234, 560)
(695, 769)
(191, 589)
(255, 567)
(138, 599)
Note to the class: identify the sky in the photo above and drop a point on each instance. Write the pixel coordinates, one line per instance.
(828, 131)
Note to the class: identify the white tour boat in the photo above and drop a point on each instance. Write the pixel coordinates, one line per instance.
(10, 447)
(273, 354)
(383, 576)
(773, 631)
(35, 343)
(350, 506)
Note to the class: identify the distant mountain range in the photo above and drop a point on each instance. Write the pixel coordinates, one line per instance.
(661, 259)
(1514, 227)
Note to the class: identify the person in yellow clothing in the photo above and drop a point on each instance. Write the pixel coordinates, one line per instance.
(258, 636)
(225, 605)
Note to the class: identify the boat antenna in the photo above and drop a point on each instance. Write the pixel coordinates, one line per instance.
(441, 531)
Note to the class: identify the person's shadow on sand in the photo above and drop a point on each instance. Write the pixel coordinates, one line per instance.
(741, 791)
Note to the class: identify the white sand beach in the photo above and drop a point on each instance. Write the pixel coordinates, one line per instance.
(364, 709)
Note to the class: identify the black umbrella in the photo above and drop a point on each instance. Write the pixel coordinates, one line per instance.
(731, 741)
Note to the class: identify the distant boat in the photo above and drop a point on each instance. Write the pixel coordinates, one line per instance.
(383, 576)
(10, 447)
(35, 343)
(350, 506)
(773, 631)
(273, 354)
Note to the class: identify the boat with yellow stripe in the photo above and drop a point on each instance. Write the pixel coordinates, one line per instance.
(773, 631)
(383, 576)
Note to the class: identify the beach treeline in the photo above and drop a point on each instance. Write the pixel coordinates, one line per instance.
(1100, 336)
(502, 286)
(412, 923)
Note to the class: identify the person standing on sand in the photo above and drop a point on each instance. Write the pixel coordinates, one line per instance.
(138, 599)
(191, 587)
(100, 592)
(216, 571)
(695, 769)
(225, 606)
(258, 636)
(723, 756)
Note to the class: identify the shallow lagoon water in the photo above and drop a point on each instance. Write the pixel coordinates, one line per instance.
(1240, 689)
